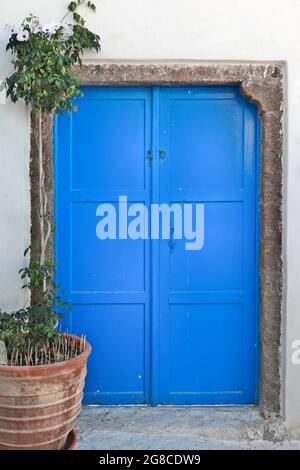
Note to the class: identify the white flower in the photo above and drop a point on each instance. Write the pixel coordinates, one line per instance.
(46, 28)
(12, 29)
(57, 25)
(50, 28)
(23, 36)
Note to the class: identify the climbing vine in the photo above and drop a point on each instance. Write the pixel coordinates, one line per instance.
(43, 59)
(43, 56)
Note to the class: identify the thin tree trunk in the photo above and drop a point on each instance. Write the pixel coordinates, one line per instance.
(45, 224)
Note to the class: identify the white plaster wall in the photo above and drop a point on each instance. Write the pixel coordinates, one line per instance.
(231, 30)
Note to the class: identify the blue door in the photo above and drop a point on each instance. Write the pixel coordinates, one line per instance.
(168, 325)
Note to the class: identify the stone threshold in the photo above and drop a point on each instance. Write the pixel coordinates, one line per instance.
(165, 427)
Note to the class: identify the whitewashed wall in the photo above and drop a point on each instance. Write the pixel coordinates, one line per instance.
(231, 30)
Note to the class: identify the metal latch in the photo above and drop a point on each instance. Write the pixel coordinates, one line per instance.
(149, 158)
(162, 156)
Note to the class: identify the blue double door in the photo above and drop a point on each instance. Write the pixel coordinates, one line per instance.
(167, 324)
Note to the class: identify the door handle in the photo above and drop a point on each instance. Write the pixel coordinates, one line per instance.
(171, 240)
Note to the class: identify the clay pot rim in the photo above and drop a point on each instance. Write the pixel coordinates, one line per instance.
(55, 365)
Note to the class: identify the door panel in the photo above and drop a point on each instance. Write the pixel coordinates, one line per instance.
(196, 349)
(116, 368)
(101, 155)
(101, 273)
(207, 128)
(167, 325)
(217, 267)
(117, 136)
(208, 298)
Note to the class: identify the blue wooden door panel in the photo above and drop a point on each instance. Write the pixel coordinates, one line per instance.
(116, 370)
(100, 155)
(167, 326)
(207, 306)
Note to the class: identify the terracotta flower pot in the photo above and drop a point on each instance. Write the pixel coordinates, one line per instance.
(39, 404)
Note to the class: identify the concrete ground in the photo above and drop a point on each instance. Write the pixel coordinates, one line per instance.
(166, 428)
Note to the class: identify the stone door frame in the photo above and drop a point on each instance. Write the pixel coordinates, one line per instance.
(260, 83)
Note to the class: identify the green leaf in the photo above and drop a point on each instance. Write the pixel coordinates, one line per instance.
(27, 250)
(72, 6)
(91, 5)
(78, 19)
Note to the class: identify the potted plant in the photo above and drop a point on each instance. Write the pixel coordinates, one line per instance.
(42, 370)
